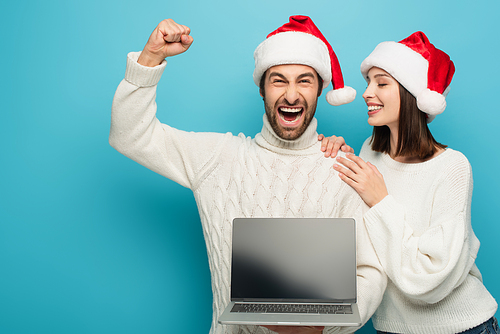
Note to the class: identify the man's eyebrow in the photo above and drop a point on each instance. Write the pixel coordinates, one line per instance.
(307, 74)
(301, 76)
(276, 74)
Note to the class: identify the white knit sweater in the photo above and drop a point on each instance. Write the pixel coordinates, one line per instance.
(237, 176)
(423, 236)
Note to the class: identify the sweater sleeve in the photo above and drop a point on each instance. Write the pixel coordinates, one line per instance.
(137, 133)
(428, 265)
(371, 278)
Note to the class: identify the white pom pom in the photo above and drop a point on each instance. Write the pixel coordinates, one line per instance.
(341, 96)
(431, 102)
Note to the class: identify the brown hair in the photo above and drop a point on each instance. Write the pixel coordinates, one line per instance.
(414, 137)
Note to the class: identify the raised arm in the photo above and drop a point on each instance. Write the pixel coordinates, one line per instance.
(137, 133)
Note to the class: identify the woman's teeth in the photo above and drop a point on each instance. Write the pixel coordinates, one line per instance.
(371, 108)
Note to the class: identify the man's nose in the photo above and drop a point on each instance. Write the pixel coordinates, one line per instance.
(292, 94)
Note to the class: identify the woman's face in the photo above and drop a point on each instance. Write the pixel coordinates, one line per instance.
(382, 98)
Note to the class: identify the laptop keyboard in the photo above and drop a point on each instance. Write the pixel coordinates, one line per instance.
(291, 308)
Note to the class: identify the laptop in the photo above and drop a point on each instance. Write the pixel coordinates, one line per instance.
(293, 272)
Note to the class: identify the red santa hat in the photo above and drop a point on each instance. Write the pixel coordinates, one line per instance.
(300, 42)
(421, 68)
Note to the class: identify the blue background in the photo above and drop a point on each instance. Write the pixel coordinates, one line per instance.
(91, 242)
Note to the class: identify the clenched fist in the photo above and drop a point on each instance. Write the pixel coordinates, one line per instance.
(168, 39)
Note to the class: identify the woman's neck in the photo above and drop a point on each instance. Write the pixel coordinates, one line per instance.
(394, 144)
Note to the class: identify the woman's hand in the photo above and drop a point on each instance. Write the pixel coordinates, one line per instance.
(362, 177)
(331, 145)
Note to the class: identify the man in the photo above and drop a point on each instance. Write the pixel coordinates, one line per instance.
(279, 173)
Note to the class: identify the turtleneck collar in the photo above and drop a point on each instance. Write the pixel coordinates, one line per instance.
(267, 138)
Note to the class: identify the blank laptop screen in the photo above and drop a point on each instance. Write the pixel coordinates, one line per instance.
(294, 259)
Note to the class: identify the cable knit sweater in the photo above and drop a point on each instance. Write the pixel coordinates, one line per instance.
(237, 176)
(423, 236)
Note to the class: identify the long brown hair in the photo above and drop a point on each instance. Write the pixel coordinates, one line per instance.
(414, 137)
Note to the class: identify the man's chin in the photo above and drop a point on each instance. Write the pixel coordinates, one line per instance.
(290, 133)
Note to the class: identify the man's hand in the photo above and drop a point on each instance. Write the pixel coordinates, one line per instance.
(296, 329)
(331, 145)
(168, 39)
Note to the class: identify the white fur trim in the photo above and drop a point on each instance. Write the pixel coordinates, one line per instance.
(408, 67)
(293, 47)
(341, 96)
(431, 102)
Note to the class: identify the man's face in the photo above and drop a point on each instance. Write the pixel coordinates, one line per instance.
(290, 97)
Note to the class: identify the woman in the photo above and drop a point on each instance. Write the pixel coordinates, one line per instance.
(419, 195)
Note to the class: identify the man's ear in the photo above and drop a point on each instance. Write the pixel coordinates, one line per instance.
(261, 93)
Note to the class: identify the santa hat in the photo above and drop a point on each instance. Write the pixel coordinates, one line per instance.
(301, 42)
(421, 68)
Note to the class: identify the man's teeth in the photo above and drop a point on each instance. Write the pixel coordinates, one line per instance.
(290, 114)
(291, 109)
(371, 108)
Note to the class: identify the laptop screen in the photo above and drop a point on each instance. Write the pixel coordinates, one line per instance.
(294, 260)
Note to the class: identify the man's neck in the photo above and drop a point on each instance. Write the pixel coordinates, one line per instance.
(308, 138)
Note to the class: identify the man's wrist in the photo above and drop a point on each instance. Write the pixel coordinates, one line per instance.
(146, 59)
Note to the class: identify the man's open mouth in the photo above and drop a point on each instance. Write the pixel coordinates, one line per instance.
(290, 115)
